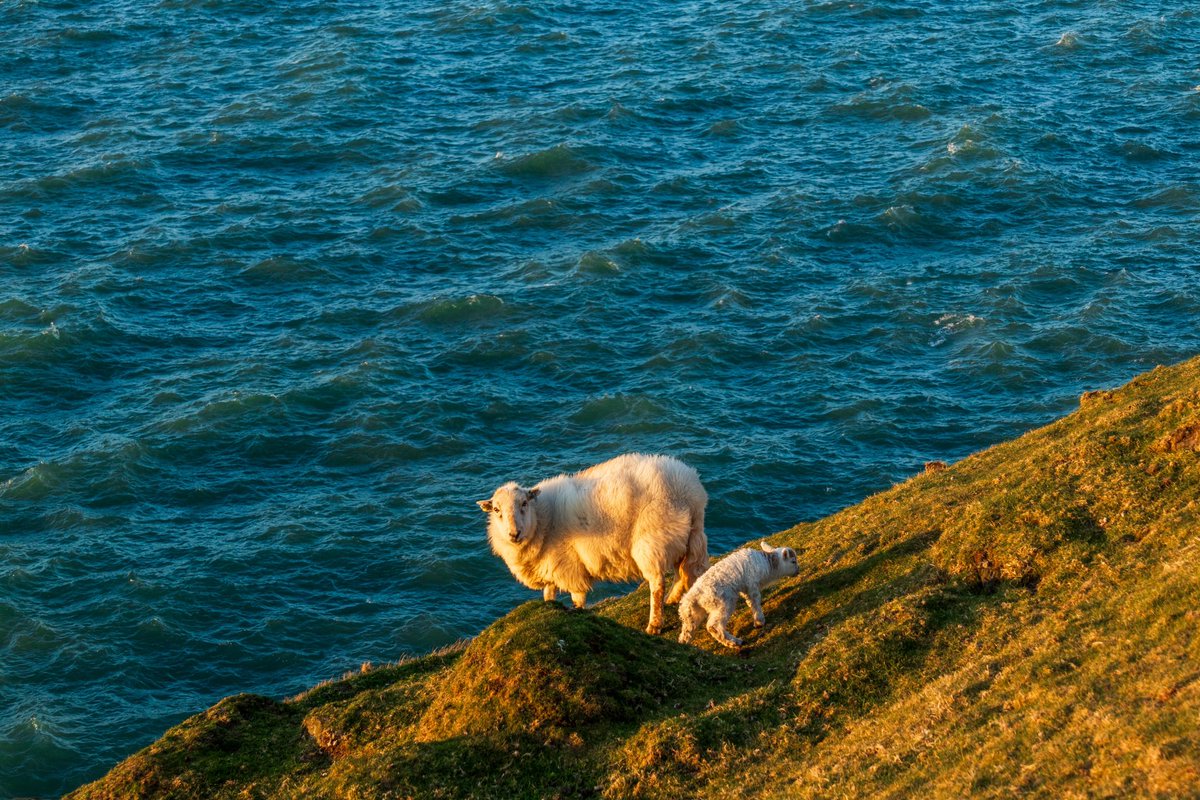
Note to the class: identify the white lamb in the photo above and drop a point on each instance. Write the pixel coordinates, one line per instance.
(635, 516)
(743, 573)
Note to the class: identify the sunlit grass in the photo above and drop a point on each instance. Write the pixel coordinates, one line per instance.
(1023, 622)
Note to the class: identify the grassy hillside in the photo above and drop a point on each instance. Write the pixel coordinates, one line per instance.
(1023, 622)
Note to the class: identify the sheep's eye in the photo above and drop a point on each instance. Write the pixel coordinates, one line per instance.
(525, 504)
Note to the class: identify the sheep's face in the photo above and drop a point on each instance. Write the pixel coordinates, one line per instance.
(512, 511)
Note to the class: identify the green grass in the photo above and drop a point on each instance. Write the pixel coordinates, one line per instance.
(1023, 622)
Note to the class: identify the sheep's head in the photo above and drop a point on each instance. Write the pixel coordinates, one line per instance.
(511, 508)
(783, 560)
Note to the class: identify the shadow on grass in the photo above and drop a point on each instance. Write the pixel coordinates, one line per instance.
(803, 675)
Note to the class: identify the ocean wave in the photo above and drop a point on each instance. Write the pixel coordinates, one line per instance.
(471, 18)
(971, 143)
(847, 232)
(456, 310)
(90, 36)
(364, 451)
(621, 408)
(30, 111)
(905, 218)
(727, 298)
(724, 129)
(597, 264)
(34, 347)
(1068, 41)
(950, 326)
(14, 309)
(558, 161)
(216, 411)
(108, 170)
(1150, 37)
(1183, 198)
(1077, 339)
(893, 106)
(281, 269)
(508, 348)
(545, 213)
(865, 10)
(1142, 152)
(394, 196)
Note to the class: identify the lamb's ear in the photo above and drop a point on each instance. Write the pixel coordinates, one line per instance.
(766, 547)
(534, 493)
(486, 505)
(773, 559)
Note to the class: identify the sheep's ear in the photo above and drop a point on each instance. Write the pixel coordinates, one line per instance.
(534, 493)
(486, 505)
(766, 547)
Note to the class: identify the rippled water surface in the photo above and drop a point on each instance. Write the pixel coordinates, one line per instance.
(285, 287)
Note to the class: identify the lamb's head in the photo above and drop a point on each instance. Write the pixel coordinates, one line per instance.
(512, 512)
(783, 560)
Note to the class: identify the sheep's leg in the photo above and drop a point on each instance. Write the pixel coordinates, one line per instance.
(652, 564)
(658, 587)
(716, 624)
(579, 599)
(683, 581)
(678, 590)
(549, 593)
(754, 600)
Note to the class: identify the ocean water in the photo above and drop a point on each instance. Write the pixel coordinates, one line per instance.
(286, 287)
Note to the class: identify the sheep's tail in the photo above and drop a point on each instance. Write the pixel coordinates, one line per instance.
(696, 558)
(694, 561)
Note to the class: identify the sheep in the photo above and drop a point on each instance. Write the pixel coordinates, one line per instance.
(745, 572)
(635, 516)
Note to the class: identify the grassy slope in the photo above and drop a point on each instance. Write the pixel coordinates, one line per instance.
(1024, 621)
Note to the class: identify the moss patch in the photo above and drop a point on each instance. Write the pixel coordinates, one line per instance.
(544, 671)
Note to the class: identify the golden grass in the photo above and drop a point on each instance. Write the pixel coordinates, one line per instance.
(1023, 622)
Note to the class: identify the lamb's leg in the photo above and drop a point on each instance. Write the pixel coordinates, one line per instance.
(716, 624)
(689, 614)
(658, 587)
(754, 600)
(549, 593)
(579, 599)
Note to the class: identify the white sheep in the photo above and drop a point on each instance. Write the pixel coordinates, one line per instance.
(633, 516)
(743, 573)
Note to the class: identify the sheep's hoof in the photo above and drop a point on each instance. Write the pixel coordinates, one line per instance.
(758, 624)
(735, 642)
(654, 628)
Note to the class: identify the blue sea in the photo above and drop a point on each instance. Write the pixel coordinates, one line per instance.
(286, 287)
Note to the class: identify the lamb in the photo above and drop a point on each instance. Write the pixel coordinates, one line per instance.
(745, 572)
(635, 516)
